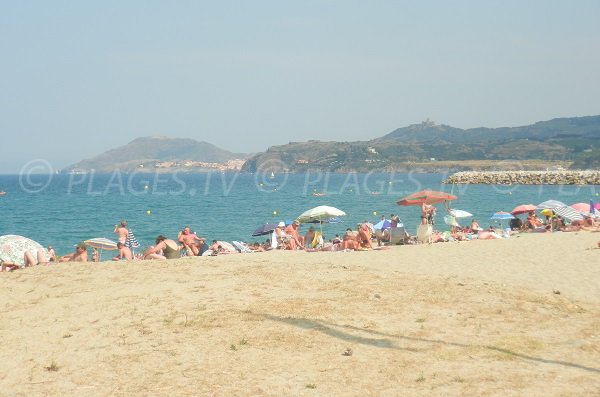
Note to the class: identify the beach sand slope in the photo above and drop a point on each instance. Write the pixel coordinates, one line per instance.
(484, 318)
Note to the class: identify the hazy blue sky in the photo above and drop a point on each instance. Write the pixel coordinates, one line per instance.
(80, 77)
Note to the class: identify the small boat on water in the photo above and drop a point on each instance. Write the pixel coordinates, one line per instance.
(2, 192)
(317, 194)
(272, 175)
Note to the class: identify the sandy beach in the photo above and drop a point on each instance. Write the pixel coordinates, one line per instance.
(484, 318)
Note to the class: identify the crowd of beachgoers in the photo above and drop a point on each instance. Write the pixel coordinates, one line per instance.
(282, 236)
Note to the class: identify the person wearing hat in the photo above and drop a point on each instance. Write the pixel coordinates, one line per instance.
(292, 232)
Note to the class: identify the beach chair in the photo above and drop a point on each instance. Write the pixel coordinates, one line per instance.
(242, 247)
(397, 235)
(424, 233)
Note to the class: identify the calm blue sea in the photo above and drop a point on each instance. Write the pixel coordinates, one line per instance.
(65, 209)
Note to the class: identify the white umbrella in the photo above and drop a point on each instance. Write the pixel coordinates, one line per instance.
(550, 204)
(460, 213)
(319, 213)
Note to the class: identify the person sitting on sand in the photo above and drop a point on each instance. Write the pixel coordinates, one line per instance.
(51, 254)
(364, 236)
(475, 226)
(95, 256)
(28, 260)
(292, 232)
(284, 241)
(80, 254)
(350, 242)
(121, 232)
(256, 247)
(202, 246)
(188, 240)
(164, 248)
(516, 224)
(533, 222)
(124, 253)
(309, 236)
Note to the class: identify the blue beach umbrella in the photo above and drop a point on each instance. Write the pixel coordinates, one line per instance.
(384, 224)
(501, 215)
(265, 229)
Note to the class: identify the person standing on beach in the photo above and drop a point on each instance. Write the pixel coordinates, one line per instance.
(121, 232)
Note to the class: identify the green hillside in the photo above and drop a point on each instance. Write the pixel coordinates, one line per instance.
(573, 141)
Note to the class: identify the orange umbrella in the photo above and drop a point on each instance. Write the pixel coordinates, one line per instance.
(427, 197)
(523, 208)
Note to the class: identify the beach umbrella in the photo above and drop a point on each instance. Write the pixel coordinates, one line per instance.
(265, 229)
(101, 243)
(523, 209)
(384, 224)
(568, 213)
(131, 241)
(501, 215)
(581, 207)
(319, 214)
(13, 248)
(460, 213)
(546, 212)
(426, 197)
(550, 204)
(328, 220)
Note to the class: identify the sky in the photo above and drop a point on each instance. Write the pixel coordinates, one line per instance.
(78, 78)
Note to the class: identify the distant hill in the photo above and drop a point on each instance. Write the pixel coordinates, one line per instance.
(146, 152)
(428, 146)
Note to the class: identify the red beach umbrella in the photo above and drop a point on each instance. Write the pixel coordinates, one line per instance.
(581, 207)
(427, 197)
(523, 208)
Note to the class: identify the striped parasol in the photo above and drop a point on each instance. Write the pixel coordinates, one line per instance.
(131, 241)
(568, 213)
(101, 243)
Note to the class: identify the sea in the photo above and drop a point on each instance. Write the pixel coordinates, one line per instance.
(64, 209)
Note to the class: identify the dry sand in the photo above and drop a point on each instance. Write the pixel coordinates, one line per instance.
(477, 318)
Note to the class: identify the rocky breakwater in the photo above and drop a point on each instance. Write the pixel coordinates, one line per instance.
(526, 178)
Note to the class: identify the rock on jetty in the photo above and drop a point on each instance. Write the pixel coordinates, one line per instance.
(526, 178)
